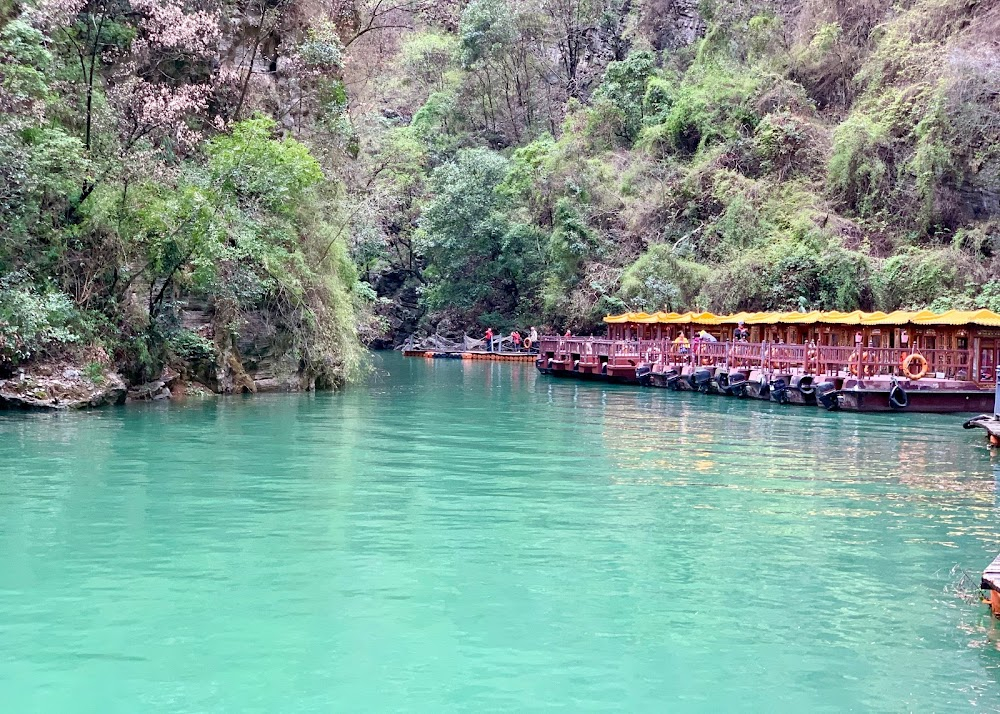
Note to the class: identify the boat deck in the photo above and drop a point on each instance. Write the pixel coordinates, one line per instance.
(991, 584)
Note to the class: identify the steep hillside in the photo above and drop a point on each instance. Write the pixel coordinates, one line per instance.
(156, 209)
(243, 189)
(552, 161)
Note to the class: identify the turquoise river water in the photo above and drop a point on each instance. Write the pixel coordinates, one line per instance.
(465, 536)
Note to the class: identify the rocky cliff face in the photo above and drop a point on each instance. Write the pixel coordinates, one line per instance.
(401, 309)
(263, 358)
(672, 24)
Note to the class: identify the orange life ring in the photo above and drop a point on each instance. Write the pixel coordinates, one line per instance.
(907, 363)
(705, 361)
(528, 343)
(855, 360)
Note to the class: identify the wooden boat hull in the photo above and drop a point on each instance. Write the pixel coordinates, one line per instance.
(612, 378)
(929, 401)
(867, 398)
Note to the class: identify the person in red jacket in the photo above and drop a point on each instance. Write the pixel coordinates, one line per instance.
(515, 337)
(489, 339)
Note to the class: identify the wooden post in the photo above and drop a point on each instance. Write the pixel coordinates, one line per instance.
(974, 362)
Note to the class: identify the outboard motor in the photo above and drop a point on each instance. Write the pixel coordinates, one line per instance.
(779, 390)
(826, 395)
(701, 380)
(643, 373)
(803, 384)
(673, 379)
(898, 398)
(737, 384)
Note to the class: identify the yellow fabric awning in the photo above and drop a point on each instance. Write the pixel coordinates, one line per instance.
(957, 318)
(736, 318)
(985, 318)
(896, 317)
(803, 318)
(846, 318)
(768, 318)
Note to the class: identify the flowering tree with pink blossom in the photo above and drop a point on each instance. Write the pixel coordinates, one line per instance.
(125, 47)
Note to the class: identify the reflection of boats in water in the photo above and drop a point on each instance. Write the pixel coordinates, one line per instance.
(858, 361)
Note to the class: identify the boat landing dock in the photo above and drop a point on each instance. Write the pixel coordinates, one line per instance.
(474, 355)
(991, 585)
(990, 423)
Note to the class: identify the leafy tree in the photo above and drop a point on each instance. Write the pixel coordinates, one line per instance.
(659, 280)
(618, 101)
(478, 257)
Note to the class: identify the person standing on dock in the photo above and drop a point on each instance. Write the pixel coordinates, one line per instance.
(681, 343)
(533, 335)
(489, 339)
(515, 338)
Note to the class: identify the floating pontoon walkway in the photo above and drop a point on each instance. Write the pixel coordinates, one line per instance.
(990, 423)
(474, 355)
(991, 585)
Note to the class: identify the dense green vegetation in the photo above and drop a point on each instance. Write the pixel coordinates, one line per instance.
(784, 156)
(312, 173)
(134, 185)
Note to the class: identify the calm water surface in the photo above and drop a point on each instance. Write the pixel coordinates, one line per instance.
(473, 537)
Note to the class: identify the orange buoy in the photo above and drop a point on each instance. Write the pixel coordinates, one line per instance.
(907, 365)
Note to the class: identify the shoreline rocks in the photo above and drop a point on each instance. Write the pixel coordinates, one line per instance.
(157, 390)
(60, 387)
(64, 386)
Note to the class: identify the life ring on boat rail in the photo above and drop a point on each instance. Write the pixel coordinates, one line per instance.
(907, 365)
(854, 360)
(528, 343)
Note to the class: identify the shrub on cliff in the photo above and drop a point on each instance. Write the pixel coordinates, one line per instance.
(658, 280)
(34, 321)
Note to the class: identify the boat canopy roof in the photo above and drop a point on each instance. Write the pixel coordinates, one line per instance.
(985, 318)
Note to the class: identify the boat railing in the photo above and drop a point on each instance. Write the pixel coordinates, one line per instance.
(747, 355)
(888, 361)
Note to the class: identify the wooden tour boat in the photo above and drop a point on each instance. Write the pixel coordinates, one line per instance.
(859, 361)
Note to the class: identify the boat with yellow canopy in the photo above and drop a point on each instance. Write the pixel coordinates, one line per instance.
(867, 361)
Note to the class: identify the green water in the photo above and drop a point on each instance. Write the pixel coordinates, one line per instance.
(473, 537)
